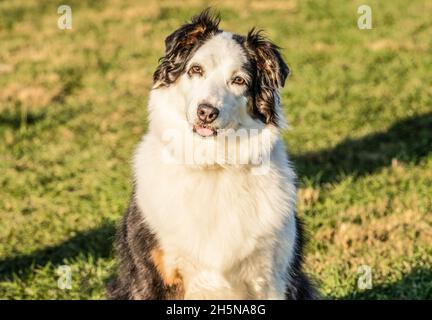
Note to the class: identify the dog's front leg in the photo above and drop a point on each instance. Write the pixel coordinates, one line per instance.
(261, 277)
(211, 285)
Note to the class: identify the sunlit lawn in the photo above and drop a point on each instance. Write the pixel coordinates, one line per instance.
(359, 104)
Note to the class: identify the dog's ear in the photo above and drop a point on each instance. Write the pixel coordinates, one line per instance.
(181, 44)
(270, 76)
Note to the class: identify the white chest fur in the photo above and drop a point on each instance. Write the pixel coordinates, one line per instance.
(212, 219)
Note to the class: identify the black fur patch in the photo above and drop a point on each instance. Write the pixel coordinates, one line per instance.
(299, 287)
(138, 277)
(181, 44)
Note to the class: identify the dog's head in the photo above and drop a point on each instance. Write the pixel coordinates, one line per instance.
(211, 83)
(228, 81)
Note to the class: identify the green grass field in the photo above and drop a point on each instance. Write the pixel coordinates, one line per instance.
(359, 104)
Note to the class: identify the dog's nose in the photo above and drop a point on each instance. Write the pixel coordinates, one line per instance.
(207, 113)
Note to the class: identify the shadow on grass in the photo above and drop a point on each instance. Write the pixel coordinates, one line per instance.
(19, 118)
(415, 285)
(408, 140)
(96, 242)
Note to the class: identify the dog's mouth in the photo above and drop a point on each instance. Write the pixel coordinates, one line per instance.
(204, 131)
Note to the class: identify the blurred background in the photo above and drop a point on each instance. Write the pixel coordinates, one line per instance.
(359, 105)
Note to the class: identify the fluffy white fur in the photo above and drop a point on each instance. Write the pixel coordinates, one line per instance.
(228, 229)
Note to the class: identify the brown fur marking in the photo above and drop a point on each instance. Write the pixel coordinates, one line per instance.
(173, 280)
(169, 278)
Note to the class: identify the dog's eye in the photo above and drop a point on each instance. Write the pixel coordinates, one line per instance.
(238, 80)
(195, 70)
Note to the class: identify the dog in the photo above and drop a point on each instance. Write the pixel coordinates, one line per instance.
(222, 225)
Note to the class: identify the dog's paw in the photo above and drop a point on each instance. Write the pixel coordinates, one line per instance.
(212, 286)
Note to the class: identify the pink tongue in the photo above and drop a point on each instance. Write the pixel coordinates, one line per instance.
(204, 131)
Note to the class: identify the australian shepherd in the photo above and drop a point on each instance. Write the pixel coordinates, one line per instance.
(212, 214)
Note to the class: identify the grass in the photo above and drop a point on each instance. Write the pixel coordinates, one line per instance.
(359, 103)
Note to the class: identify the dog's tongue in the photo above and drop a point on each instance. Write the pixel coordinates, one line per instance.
(205, 132)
